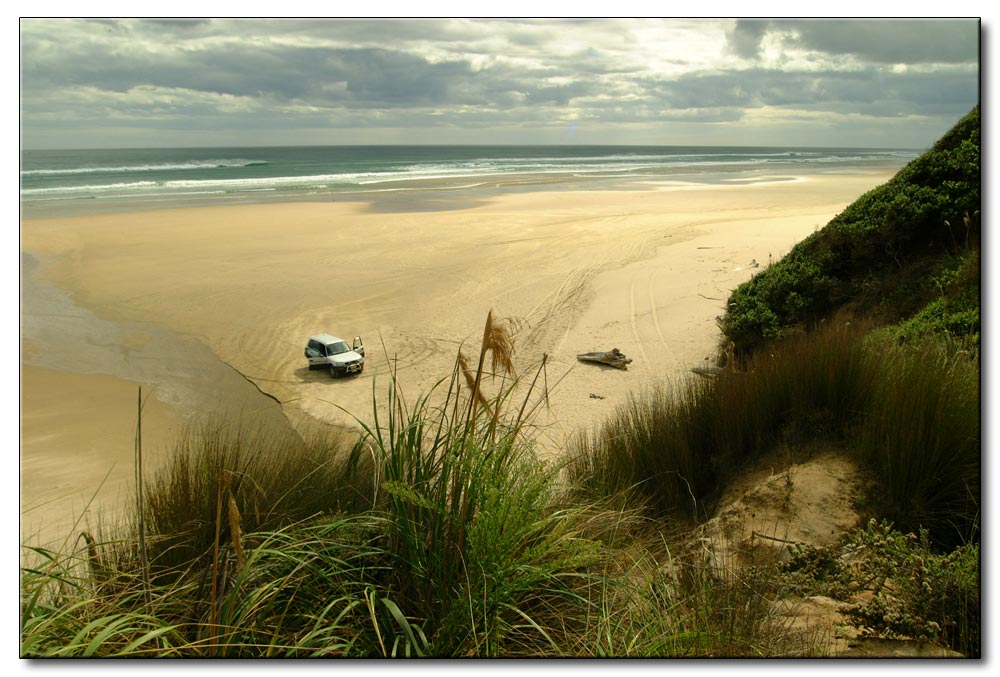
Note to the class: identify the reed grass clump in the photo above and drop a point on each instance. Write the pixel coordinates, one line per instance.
(438, 533)
(675, 449)
(67, 610)
(922, 435)
(298, 591)
(481, 561)
(223, 477)
(911, 412)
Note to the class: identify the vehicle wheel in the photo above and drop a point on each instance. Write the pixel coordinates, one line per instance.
(362, 369)
(333, 372)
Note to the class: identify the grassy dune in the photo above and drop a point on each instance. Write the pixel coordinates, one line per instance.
(438, 532)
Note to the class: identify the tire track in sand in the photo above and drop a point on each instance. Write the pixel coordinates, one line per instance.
(640, 329)
(633, 323)
(563, 306)
(671, 356)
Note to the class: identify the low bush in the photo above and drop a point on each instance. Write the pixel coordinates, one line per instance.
(892, 237)
(908, 588)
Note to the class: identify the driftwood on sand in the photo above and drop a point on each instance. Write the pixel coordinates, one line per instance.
(730, 362)
(613, 358)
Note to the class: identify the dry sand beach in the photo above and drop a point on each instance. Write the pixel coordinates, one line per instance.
(646, 270)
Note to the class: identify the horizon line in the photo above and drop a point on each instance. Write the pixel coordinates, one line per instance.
(463, 145)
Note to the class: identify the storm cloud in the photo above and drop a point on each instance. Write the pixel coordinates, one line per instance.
(157, 82)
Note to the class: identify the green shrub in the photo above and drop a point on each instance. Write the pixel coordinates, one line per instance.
(955, 313)
(909, 589)
(885, 239)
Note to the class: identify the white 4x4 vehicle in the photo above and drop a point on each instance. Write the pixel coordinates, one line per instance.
(326, 351)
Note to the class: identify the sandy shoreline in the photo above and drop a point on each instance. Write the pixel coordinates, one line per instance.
(578, 271)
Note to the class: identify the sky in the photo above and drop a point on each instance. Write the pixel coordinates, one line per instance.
(236, 82)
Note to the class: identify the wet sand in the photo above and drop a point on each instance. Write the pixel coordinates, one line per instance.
(78, 449)
(644, 270)
(79, 381)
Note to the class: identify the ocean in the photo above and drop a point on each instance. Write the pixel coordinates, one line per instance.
(65, 182)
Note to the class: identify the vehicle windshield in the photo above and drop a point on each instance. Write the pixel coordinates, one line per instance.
(337, 348)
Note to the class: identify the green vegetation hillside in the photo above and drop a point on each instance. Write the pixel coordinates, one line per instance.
(906, 252)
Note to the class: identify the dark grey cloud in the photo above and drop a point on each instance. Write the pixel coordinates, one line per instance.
(893, 40)
(871, 91)
(373, 76)
(745, 37)
(391, 78)
(890, 41)
(121, 66)
(368, 76)
(178, 26)
(378, 31)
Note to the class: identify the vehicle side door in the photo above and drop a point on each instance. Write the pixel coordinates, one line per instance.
(316, 353)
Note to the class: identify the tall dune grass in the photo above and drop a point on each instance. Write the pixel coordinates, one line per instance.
(922, 435)
(911, 413)
(677, 448)
(272, 476)
(480, 559)
(438, 532)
